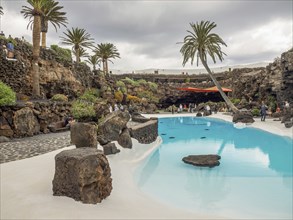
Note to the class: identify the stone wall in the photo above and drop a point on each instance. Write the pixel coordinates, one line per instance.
(27, 119)
(145, 133)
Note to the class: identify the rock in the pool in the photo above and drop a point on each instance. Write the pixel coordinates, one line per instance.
(209, 160)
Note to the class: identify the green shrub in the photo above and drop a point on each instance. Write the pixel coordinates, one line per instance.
(148, 95)
(59, 97)
(255, 112)
(120, 84)
(142, 82)
(235, 101)
(7, 95)
(62, 53)
(14, 42)
(82, 109)
(90, 95)
(153, 86)
(130, 81)
(187, 80)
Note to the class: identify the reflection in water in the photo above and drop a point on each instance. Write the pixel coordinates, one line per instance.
(211, 187)
(150, 167)
(246, 154)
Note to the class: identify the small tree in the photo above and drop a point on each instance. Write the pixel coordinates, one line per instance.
(77, 38)
(201, 43)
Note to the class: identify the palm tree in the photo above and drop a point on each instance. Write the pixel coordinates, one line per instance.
(93, 60)
(1, 11)
(106, 52)
(78, 38)
(200, 42)
(34, 14)
(82, 53)
(52, 14)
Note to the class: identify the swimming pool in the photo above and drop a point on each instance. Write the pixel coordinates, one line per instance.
(254, 179)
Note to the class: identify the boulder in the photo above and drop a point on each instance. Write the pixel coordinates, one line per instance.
(288, 124)
(25, 122)
(83, 135)
(206, 113)
(111, 127)
(243, 117)
(209, 160)
(5, 129)
(125, 139)
(4, 139)
(83, 174)
(286, 115)
(101, 109)
(136, 117)
(110, 148)
(198, 114)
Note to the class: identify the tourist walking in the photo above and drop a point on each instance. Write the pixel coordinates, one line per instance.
(208, 108)
(263, 111)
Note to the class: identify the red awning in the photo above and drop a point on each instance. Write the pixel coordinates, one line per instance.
(212, 89)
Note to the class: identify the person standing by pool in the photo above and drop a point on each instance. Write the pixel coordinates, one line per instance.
(263, 111)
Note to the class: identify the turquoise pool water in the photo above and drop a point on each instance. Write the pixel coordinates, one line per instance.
(254, 179)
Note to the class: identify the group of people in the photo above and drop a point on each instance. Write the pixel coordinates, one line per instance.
(191, 108)
(116, 107)
(264, 108)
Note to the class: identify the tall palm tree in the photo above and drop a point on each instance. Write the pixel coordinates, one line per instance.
(106, 52)
(200, 42)
(77, 38)
(82, 53)
(93, 60)
(52, 14)
(34, 14)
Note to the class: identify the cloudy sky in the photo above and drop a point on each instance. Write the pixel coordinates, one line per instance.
(146, 32)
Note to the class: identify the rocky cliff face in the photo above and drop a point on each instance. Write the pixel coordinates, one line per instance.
(275, 82)
(56, 76)
(286, 92)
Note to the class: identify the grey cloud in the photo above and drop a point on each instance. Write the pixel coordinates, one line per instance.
(154, 27)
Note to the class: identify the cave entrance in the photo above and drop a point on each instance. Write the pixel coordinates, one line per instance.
(197, 98)
(192, 97)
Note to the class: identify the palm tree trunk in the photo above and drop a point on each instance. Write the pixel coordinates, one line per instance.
(36, 54)
(104, 66)
(44, 39)
(227, 100)
(106, 61)
(77, 55)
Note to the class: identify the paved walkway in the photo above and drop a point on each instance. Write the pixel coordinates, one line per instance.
(23, 148)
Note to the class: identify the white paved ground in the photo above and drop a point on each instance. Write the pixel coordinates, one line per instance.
(26, 187)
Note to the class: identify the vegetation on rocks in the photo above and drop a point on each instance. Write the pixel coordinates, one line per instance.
(82, 109)
(118, 96)
(255, 112)
(7, 95)
(90, 95)
(62, 53)
(59, 97)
